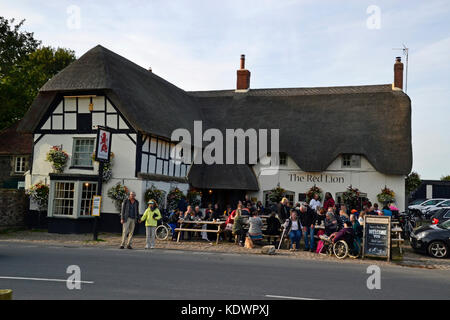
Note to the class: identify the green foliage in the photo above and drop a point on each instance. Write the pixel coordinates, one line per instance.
(312, 192)
(276, 194)
(351, 197)
(38, 193)
(412, 182)
(118, 194)
(194, 198)
(445, 178)
(58, 158)
(156, 194)
(173, 198)
(386, 196)
(24, 69)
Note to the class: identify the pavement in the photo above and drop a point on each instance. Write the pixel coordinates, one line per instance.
(39, 271)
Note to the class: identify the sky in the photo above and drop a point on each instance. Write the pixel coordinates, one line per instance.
(196, 45)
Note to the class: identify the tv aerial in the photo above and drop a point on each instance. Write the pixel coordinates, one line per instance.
(405, 53)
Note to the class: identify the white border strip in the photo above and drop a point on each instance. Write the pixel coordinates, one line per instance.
(44, 279)
(285, 297)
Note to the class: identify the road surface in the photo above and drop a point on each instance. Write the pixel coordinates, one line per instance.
(40, 272)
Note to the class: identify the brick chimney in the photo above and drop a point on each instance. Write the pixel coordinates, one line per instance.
(398, 73)
(243, 76)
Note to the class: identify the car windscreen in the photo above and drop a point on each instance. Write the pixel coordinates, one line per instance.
(445, 225)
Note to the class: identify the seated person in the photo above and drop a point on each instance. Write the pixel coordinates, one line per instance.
(331, 224)
(347, 234)
(173, 221)
(255, 229)
(273, 227)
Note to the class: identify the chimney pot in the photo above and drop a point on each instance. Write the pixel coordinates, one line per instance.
(398, 73)
(243, 76)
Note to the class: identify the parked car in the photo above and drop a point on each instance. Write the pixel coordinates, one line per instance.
(440, 215)
(420, 208)
(433, 239)
(427, 210)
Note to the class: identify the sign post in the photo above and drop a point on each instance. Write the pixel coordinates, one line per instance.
(102, 155)
(377, 237)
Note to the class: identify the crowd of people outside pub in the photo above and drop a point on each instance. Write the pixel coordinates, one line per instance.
(251, 221)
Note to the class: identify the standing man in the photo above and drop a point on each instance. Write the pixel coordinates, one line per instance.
(151, 217)
(128, 218)
(315, 202)
(308, 218)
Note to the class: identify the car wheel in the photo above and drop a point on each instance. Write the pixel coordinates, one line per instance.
(438, 249)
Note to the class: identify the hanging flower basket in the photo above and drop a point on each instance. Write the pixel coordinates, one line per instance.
(118, 194)
(386, 196)
(38, 193)
(173, 198)
(156, 194)
(194, 197)
(107, 167)
(312, 192)
(276, 194)
(58, 158)
(351, 197)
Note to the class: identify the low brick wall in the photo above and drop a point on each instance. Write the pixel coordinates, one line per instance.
(13, 207)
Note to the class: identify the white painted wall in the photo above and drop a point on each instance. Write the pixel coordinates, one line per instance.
(123, 168)
(366, 179)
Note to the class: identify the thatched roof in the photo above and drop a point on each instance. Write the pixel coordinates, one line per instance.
(316, 124)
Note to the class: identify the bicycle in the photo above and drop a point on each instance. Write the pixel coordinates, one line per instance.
(164, 232)
(407, 223)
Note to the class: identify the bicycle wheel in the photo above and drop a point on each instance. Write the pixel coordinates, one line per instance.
(162, 233)
(340, 249)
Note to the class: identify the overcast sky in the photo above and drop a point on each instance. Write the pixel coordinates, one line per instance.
(196, 45)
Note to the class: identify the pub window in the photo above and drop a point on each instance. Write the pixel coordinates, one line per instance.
(63, 199)
(19, 165)
(82, 152)
(302, 197)
(88, 191)
(351, 161)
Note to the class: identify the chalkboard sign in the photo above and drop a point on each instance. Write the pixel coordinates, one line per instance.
(377, 237)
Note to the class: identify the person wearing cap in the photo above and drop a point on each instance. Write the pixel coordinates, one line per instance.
(151, 217)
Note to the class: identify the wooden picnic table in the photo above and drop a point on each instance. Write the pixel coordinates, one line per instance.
(396, 237)
(198, 222)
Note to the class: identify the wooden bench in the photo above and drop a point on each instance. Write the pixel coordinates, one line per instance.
(181, 229)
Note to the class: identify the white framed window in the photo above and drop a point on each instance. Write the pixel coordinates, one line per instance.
(19, 165)
(351, 161)
(63, 198)
(88, 191)
(82, 152)
(71, 199)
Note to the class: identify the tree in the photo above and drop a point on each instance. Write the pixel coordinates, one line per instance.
(412, 182)
(24, 69)
(445, 178)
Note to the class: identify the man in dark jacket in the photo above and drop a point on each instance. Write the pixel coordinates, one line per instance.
(129, 216)
(308, 217)
(283, 210)
(273, 227)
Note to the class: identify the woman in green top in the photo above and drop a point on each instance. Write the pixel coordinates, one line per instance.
(151, 217)
(238, 227)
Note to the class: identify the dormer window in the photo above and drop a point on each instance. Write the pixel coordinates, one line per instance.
(351, 161)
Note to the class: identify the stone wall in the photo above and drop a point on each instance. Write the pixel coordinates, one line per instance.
(13, 207)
